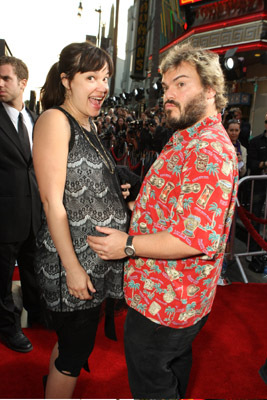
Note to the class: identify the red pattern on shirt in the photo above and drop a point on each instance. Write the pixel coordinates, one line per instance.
(190, 191)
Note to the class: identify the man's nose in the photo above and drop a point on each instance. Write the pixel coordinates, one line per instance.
(169, 94)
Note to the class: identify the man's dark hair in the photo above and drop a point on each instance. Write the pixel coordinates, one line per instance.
(19, 67)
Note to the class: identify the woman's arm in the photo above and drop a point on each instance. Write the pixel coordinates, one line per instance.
(50, 153)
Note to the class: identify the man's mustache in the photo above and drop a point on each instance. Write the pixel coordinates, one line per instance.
(175, 103)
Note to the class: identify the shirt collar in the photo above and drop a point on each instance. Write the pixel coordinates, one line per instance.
(12, 112)
(195, 130)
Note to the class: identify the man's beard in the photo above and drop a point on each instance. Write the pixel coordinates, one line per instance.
(193, 112)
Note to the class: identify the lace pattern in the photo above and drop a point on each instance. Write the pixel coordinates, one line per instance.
(92, 196)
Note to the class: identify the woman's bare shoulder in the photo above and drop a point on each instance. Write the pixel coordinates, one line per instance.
(51, 120)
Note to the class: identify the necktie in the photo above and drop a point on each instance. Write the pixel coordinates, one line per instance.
(24, 137)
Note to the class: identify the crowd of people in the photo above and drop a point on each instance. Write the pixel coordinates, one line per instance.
(89, 230)
(134, 140)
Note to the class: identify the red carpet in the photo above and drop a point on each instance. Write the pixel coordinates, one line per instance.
(227, 355)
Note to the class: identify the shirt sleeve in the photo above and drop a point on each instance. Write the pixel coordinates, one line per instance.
(202, 200)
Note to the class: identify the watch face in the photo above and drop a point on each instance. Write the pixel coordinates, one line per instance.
(129, 251)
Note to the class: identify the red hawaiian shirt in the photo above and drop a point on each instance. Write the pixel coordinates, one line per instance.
(190, 190)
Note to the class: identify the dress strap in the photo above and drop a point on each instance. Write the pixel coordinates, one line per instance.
(72, 123)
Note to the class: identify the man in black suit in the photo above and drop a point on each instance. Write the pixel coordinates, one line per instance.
(20, 205)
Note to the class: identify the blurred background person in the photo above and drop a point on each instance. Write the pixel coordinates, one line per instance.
(245, 128)
(257, 163)
(233, 129)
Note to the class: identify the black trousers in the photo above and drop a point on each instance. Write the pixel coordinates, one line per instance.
(24, 254)
(76, 332)
(159, 358)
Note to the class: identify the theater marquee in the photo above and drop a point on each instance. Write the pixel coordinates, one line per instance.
(138, 72)
(184, 2)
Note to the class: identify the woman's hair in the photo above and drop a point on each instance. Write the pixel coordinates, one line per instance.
(231, 121)
(74, 58)
(118, 126)
(207, 65)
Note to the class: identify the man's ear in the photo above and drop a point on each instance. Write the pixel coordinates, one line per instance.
(65, 81)
(23, 83)
(210, 93)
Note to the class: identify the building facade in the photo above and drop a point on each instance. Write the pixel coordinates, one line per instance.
(4, 49)
(231, 28)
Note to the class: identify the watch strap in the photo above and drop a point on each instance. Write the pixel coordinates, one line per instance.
(129, 241)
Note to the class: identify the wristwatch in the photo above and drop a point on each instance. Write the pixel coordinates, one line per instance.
(129, 248)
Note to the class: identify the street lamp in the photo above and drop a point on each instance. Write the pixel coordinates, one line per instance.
(230, 61)
(99, 11)
(80, 8)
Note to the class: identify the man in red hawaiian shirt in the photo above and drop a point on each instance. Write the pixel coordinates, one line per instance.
(179, 228)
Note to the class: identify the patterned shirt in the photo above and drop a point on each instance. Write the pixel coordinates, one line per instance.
(190, 191)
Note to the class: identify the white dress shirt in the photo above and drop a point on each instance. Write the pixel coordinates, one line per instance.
(13, 114)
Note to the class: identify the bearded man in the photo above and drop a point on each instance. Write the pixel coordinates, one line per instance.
(179, 228)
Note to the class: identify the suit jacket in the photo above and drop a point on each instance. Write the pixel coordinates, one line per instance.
(257, 152)
(20, 204)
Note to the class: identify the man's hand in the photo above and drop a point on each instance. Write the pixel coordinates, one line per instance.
(109, 247)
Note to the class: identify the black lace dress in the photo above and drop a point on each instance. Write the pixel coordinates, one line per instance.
(92, 197)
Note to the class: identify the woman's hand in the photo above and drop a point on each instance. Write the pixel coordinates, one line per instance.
(79, 283)
(239, 157)
(125, 190)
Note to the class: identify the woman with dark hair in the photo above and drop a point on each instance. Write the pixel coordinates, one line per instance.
(120, 127)
(232, 127)
(120, 136)
(79, 189)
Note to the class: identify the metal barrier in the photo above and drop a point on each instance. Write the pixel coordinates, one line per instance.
(231, 251)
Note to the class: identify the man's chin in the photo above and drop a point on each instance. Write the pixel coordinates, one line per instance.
(172, 123)
(172, 113)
